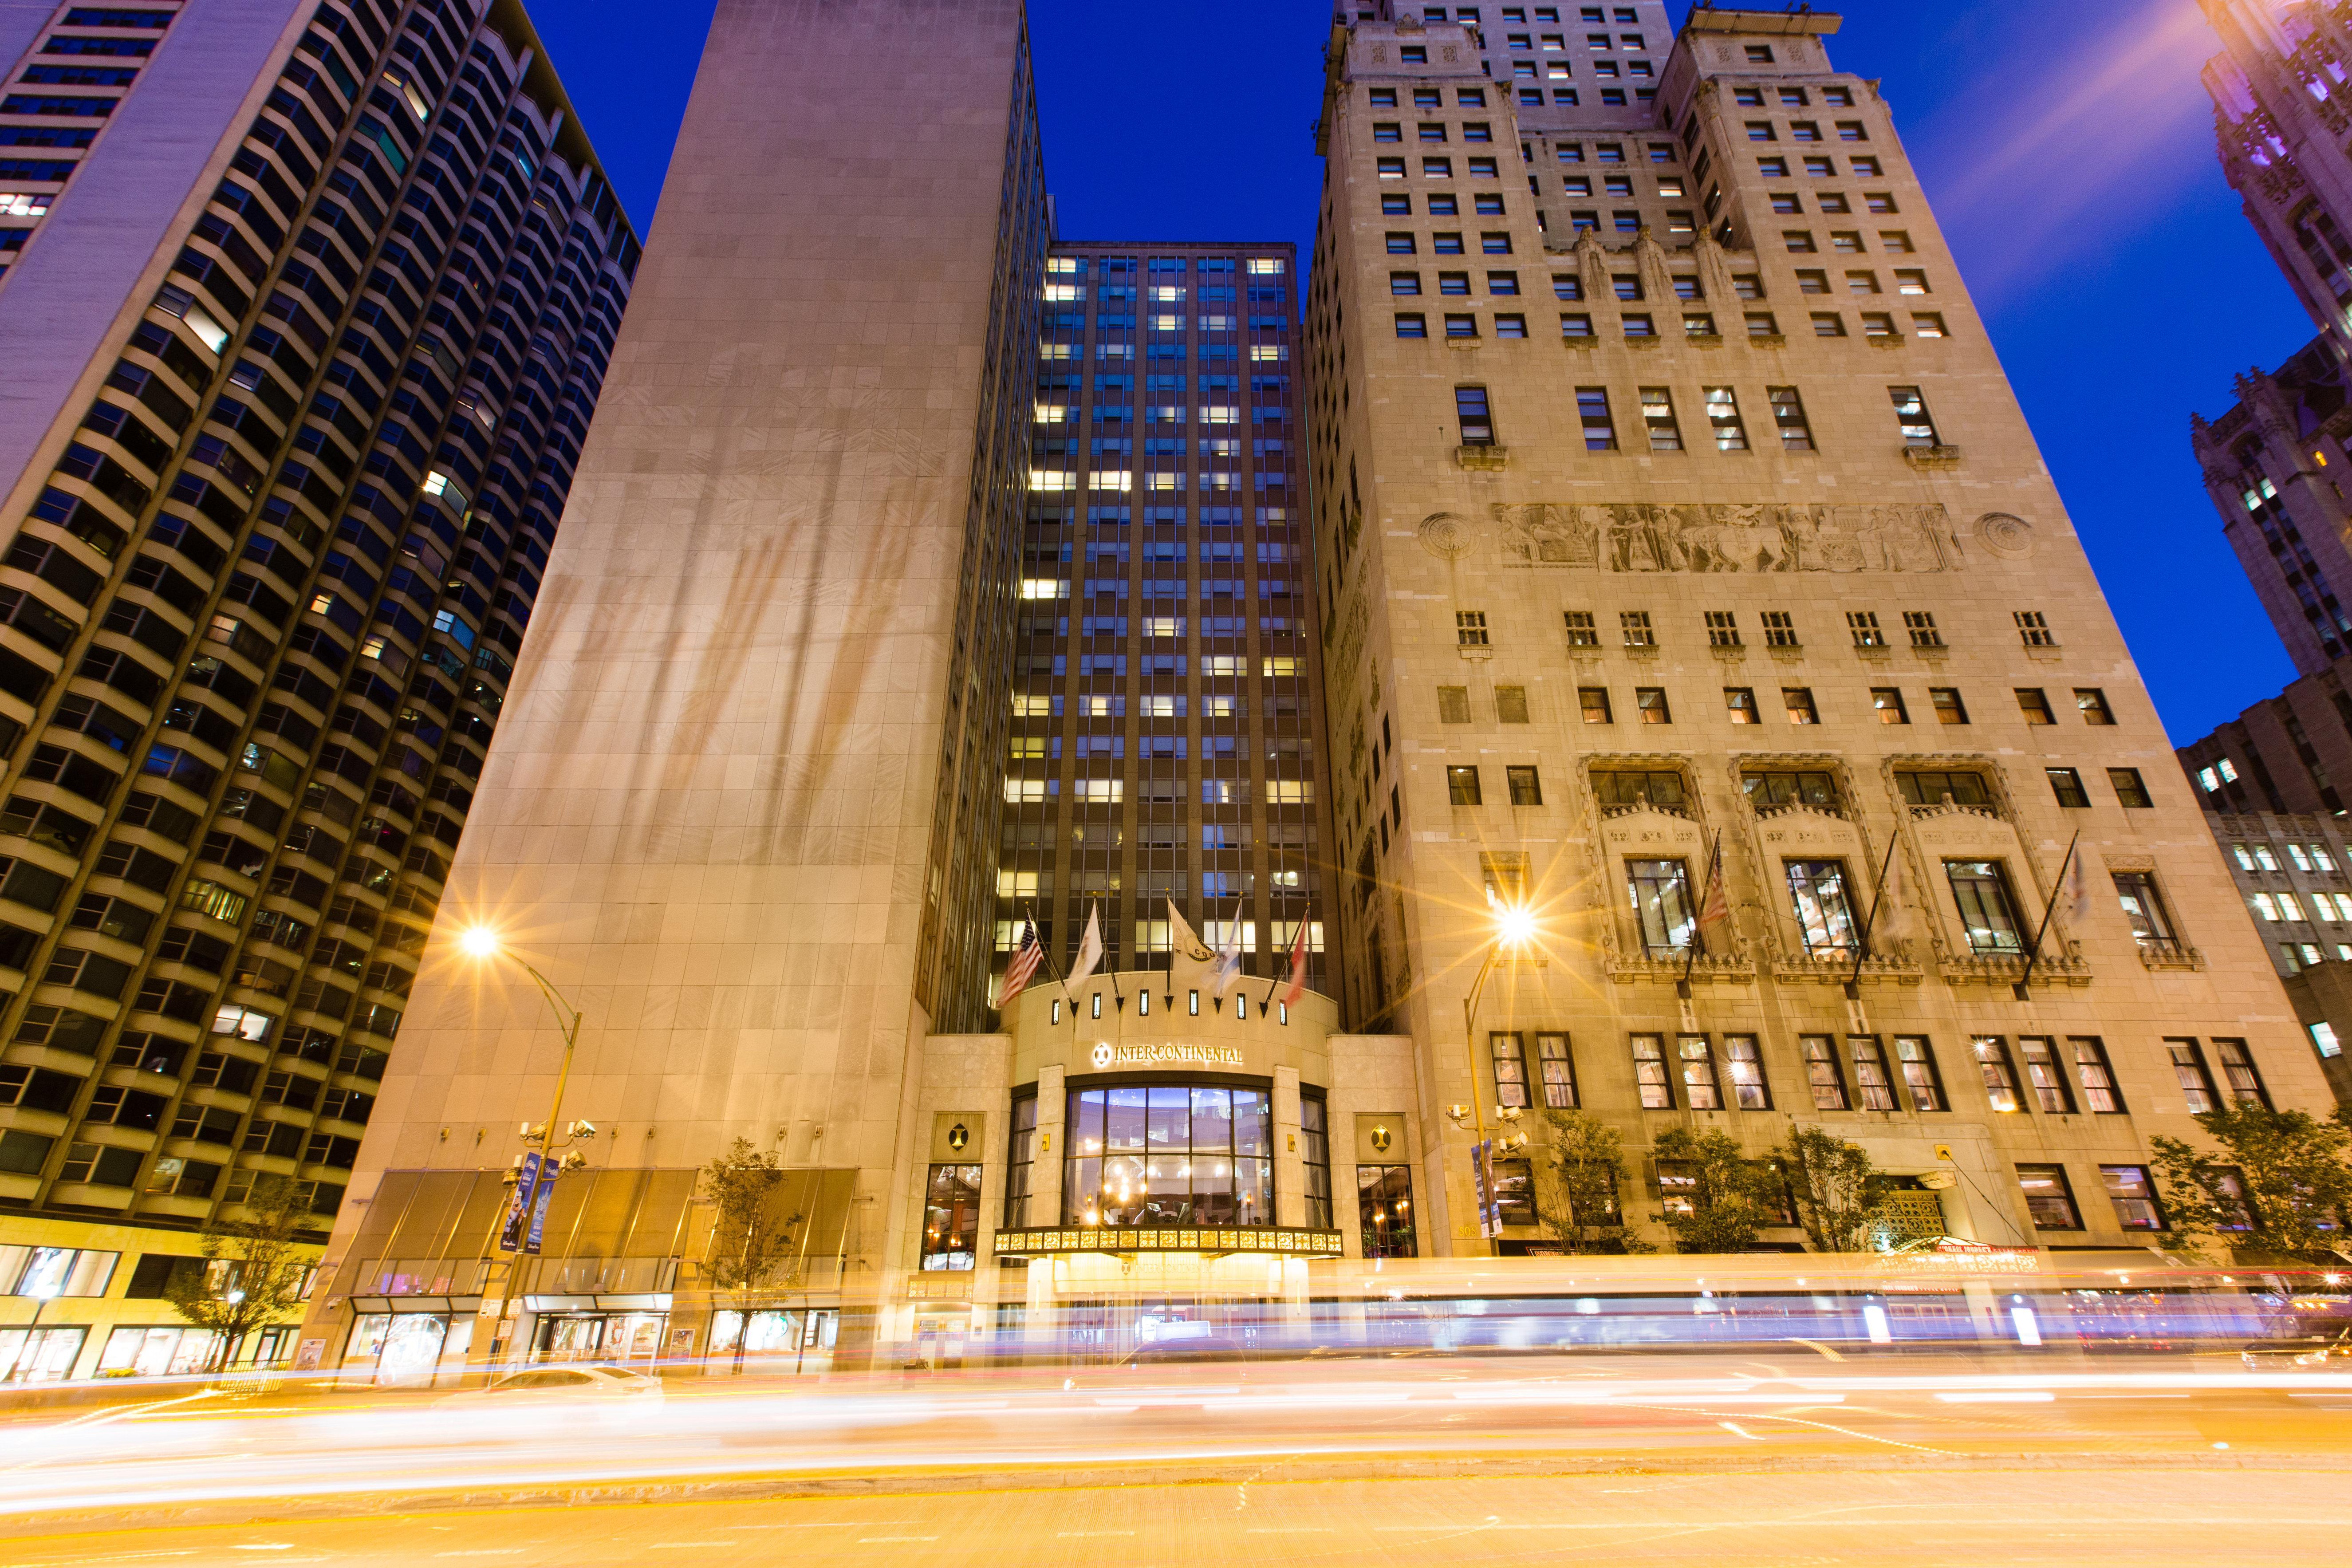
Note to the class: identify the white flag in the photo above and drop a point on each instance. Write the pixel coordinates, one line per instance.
(2078, 889)
(1090, 950)
(1229, 959)
(1183, 941)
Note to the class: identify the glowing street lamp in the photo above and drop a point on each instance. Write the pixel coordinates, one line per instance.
(484, 943)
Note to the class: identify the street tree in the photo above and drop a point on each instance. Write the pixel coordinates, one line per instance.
(1731, 1197)
(751, 1245)
(2278, 1187)
(1584, 1158)
(1836, 1188)
(253, 1269)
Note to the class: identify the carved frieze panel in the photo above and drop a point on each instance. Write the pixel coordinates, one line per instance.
(1761, 537)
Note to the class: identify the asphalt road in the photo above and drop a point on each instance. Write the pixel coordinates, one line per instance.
(2125, 1517)
(1784, 1460)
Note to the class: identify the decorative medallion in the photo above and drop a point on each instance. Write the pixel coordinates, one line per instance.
(1382, 1139)
(1445, 536)
(959, 1137)
(2011, 538)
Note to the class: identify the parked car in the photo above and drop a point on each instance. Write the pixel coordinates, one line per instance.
(2332, 1350)
(561, 1386)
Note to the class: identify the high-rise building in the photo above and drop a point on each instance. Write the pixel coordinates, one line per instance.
(1164, 587)
(304, 310)
(2282, 110)
(1696, 589)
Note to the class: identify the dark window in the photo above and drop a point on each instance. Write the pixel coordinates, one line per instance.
(1477, 420)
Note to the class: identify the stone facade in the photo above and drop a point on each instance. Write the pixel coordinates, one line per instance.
(1728, 538)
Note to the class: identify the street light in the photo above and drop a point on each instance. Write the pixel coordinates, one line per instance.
(1515, 927)
(484, 943)
(43, 1292)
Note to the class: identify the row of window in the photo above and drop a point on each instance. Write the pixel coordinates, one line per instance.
(1463, 786)
(1726, 426)
(2306, 857)
(2046, 1073)
(1876, 325)
(1886, 701)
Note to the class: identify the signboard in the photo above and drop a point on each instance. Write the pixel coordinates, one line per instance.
(1107, 1055)
(534, 1190)
(1482, 1179)
(1276, 1239)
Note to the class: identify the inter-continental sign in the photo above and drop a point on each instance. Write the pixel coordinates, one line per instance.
(1125, 1238)
(1107, 1055)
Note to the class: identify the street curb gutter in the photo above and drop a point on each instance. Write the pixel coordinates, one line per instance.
(1255, 1471)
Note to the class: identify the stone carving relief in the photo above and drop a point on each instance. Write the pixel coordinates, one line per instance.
(2011, 538)
(1769, 537)
(1445, 536)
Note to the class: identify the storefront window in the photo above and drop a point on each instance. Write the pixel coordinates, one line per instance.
(1019, 1161)
(1385, 1209)
(1168, 1155)
(1315, 1152)
(951, 1217)
(41, 1355)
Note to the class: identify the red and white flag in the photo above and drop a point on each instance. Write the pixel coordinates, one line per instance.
(1717, 905)
(1297, 986)
(1026, 956)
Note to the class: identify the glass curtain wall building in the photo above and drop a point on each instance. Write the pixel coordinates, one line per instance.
(1167, 725)
(305, 327)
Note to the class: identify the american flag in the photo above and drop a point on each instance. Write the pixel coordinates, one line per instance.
(1718, 907)
(1028, 954)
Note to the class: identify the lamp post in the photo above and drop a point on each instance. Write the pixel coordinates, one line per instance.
(484, 943)
(1514, 926)
(43, 1294)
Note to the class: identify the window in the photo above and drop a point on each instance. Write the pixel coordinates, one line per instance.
(2046, 1076)
(1641, 326)
(1911, 281)
(2134, 1195)
(1661, 893)
(1877, 324)
(1491, 244)
(1660, 790)
(1911, 415)
(1810, 282)
(1821, 1073)
(1477, 422)
(1595, 702)
(1510, 324)
(1929, 786)
(1874, 1090)
(1694, 1054)
(1581, 632)
(1385, 1209)
(1505, 876)
(1722, 629)
(1510, 704)
(2066, 784)
(1462, 786)
(1828, 324)
(2096, 1077)
(1650, 1072)
(2034, 705)
(1470, 629)
(1503, 283)
(2237, 1067)
(1723, 419)
(2323, 1034)
(2131, 790)
(2033, 629)
(1789, 414)
(2092, 703)
(1411, 324)
(1396, 205)
(1454, 705)
(1916, 1061)
(1799, 701)
(1817, 895)
(1387, 131)
(1600, 429)
(1799, 241)
(1462, 326)
(1651, 702)
(1404, 283)
(951, 1218)
(1527, 788)
(1558, 1072)
(2048, 1199)
(1510, 1058)
(1987, 913)
(1992, 1053)
(1575, 325)
(1763, 324)
(1921, 624)
(2196, 1082)
(1635, 625)
(1949, 708)
(1401, 244)
(1658, 413)
(1930, 324)
(1453, 283)
(1779, 629)
(1739, 704)
(1887, 702)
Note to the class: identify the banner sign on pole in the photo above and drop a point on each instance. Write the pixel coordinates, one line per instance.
(1482, 1176)
(519, 1205)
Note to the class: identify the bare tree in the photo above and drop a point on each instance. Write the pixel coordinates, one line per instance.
(1585, 1159)
(1837, 1190)
(253, 1273)
(751, 1247)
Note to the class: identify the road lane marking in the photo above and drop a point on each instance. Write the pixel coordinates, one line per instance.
(887, 1540)
(1734, 1428)
(1998, 1396)
(487, 1552)
(1817, 1345)
(1087, 1534)
(689, 1545)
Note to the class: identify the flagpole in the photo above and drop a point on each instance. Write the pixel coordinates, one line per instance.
(2034, 954)
(1861, 948)
(1706, 892)
(1051, 967)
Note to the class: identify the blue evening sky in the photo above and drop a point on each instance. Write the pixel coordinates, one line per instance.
(2068, 150)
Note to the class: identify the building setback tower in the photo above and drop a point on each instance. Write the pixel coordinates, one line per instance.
(744, 810)
(305, 310)
(1700, 533)
(1166, 713)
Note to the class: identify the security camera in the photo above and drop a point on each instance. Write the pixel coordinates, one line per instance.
(584, 1130)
